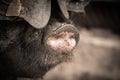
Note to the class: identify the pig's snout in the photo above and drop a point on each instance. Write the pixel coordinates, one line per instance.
(63, 39)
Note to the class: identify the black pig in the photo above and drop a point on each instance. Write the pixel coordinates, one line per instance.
(29, 52)
(34, 37)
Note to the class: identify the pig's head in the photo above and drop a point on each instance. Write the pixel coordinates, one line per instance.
(38, 40)
(29, 52)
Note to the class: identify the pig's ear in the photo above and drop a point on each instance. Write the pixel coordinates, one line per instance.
(3, 7)
(77, 6)
(14, 8)
(36, 12)
(63, 6)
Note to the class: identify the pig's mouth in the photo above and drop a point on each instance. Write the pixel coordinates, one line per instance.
(63, 39)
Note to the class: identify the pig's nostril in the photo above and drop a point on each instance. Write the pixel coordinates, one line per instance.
(64, 42)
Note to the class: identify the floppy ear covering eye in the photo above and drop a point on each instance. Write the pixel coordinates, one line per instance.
(14, 8)
(63, 6)
(36, 12)
(77, 6)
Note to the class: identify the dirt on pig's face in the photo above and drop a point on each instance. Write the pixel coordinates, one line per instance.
(29, 52)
